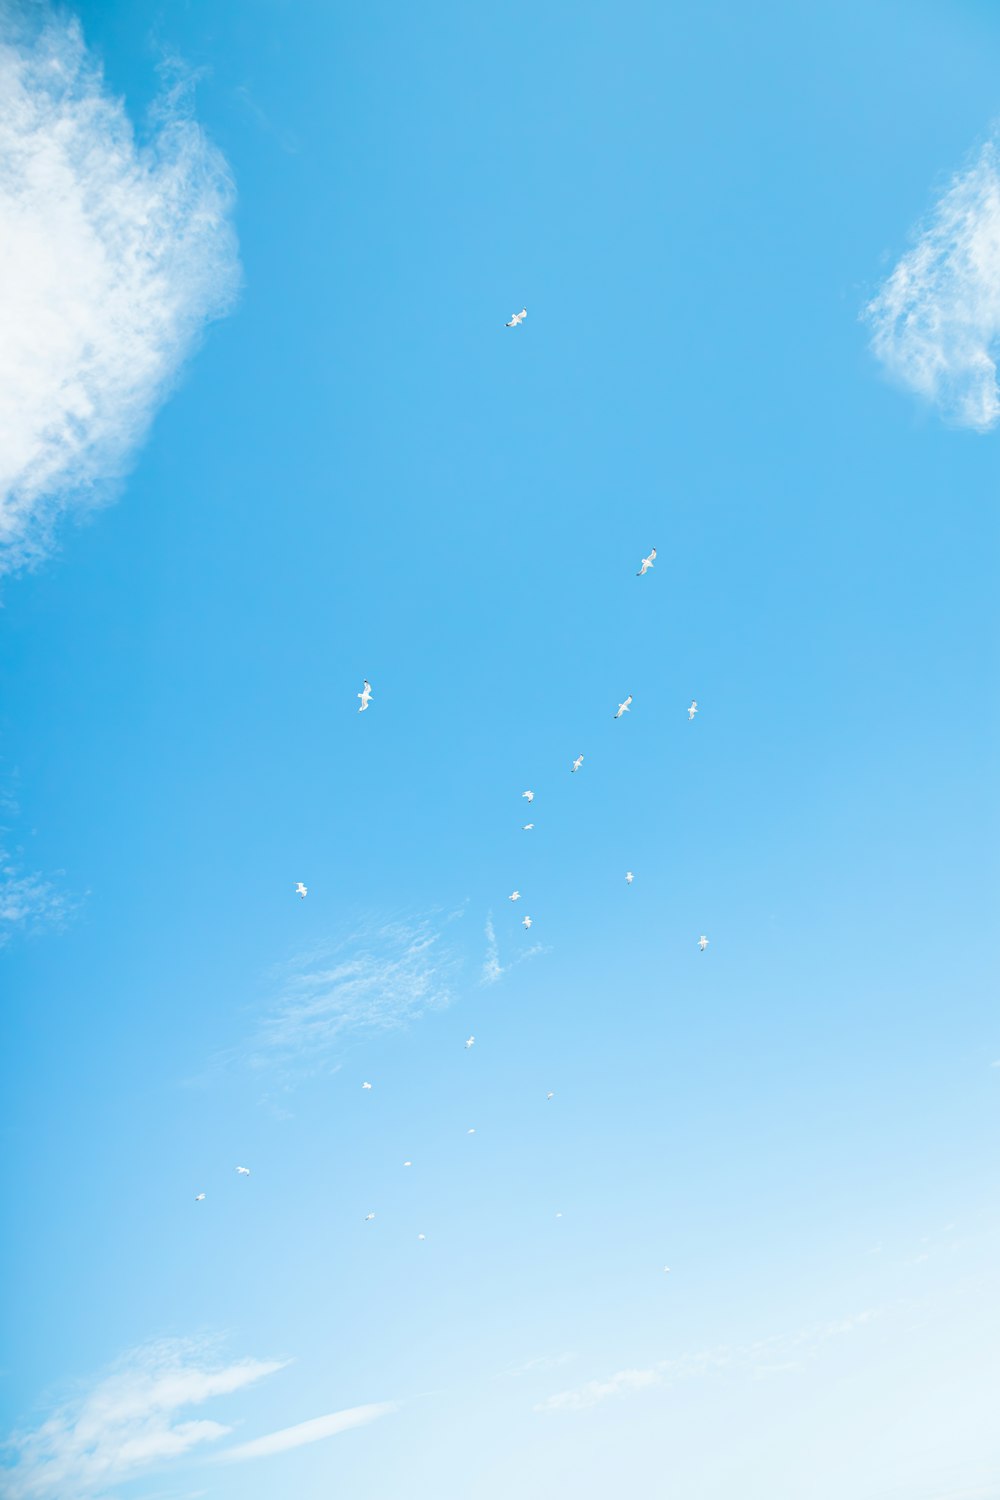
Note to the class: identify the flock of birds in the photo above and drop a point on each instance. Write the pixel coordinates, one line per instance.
(365, 697)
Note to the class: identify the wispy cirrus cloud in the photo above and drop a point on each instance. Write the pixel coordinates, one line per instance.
(379, 979)
(493, 969)
(302, 1433)
(936, 320)
(126, 1423)
(781, 1354)
(115, 253)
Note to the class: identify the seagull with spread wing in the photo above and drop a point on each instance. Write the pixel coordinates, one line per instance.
(623, 708)
(629, 877)
(366, 696)
(703, 942)
(514, 896)
(577, 763)
(526, 924)
(470, 1042)
(647, 563)
(301, 890)
(693, 709)
(243, 1171)
(517, 318)
(528, 796)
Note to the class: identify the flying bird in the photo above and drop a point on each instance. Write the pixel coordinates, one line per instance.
(517, 318)
(623, 708)
(199, 1197)
(703, 942)
(666, 1268)
(301, 890)
(528, 796)
(693, 709)
(647, 563)
(514, 896)
(578, 763)
(243, 1171)
(470, 1042)
(472, 1131)
(550, 1096)
(526, 923)
(421, 1236)
(407, 1164)
(629, 877)
(527, 827)
(366, 1085)
(368, 1218)
(365, 696)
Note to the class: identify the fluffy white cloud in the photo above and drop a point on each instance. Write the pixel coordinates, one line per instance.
(125, 1423)
(113, 255)
(936, 320)
(28, 902)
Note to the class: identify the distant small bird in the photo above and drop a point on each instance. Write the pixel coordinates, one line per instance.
(550, 1096)
(647, 563)
(301, 890)
(471, 1132)
(243, 1171)
(528, 796)
(526, 923)
(199, 1197)
(470, 1042)
(693, 709)
(421, 1236)
(407, 1164)
(365, 696)
(517, 318)
(366, 1085)
(527, 827)
(703, 942)
(578, 763)
(666, 1268)
(368, 1218)
(623, 708)
(514, 896)
(558, 1216)
(629, 877)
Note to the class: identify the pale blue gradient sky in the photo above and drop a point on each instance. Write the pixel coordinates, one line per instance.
(364, 474)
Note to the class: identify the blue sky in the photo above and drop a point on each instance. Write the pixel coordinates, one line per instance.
(319, 456)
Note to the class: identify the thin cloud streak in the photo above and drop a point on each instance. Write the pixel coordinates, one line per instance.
(313, 1431)
(781, 1354)
(114, 256)
(936, 320)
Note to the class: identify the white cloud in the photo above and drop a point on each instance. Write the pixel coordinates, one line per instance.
(936, 320)
(307, 1432)
(493, 969)
(28, 902)
(125, 1423)
(114, 254)
(783, 1352)
(375, 981)
(621, 1384)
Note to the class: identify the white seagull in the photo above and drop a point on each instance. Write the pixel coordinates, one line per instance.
(517, 318)
(407, 1164)
(703, 942)
(647, 563)
(472, 1131)
(527, 827)
(199, 1197)
(528, 796)
(629, 877)
(514, 896)
(301, 890)
(526, 923)
(243, 1171)
(368, 1218)
(550, 1096)
(421, 1236)
(666, 1268)
(470, 1042)
(693, 709)
(577, 763)
(623, 708)
(365, 696)
(366, 1085)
